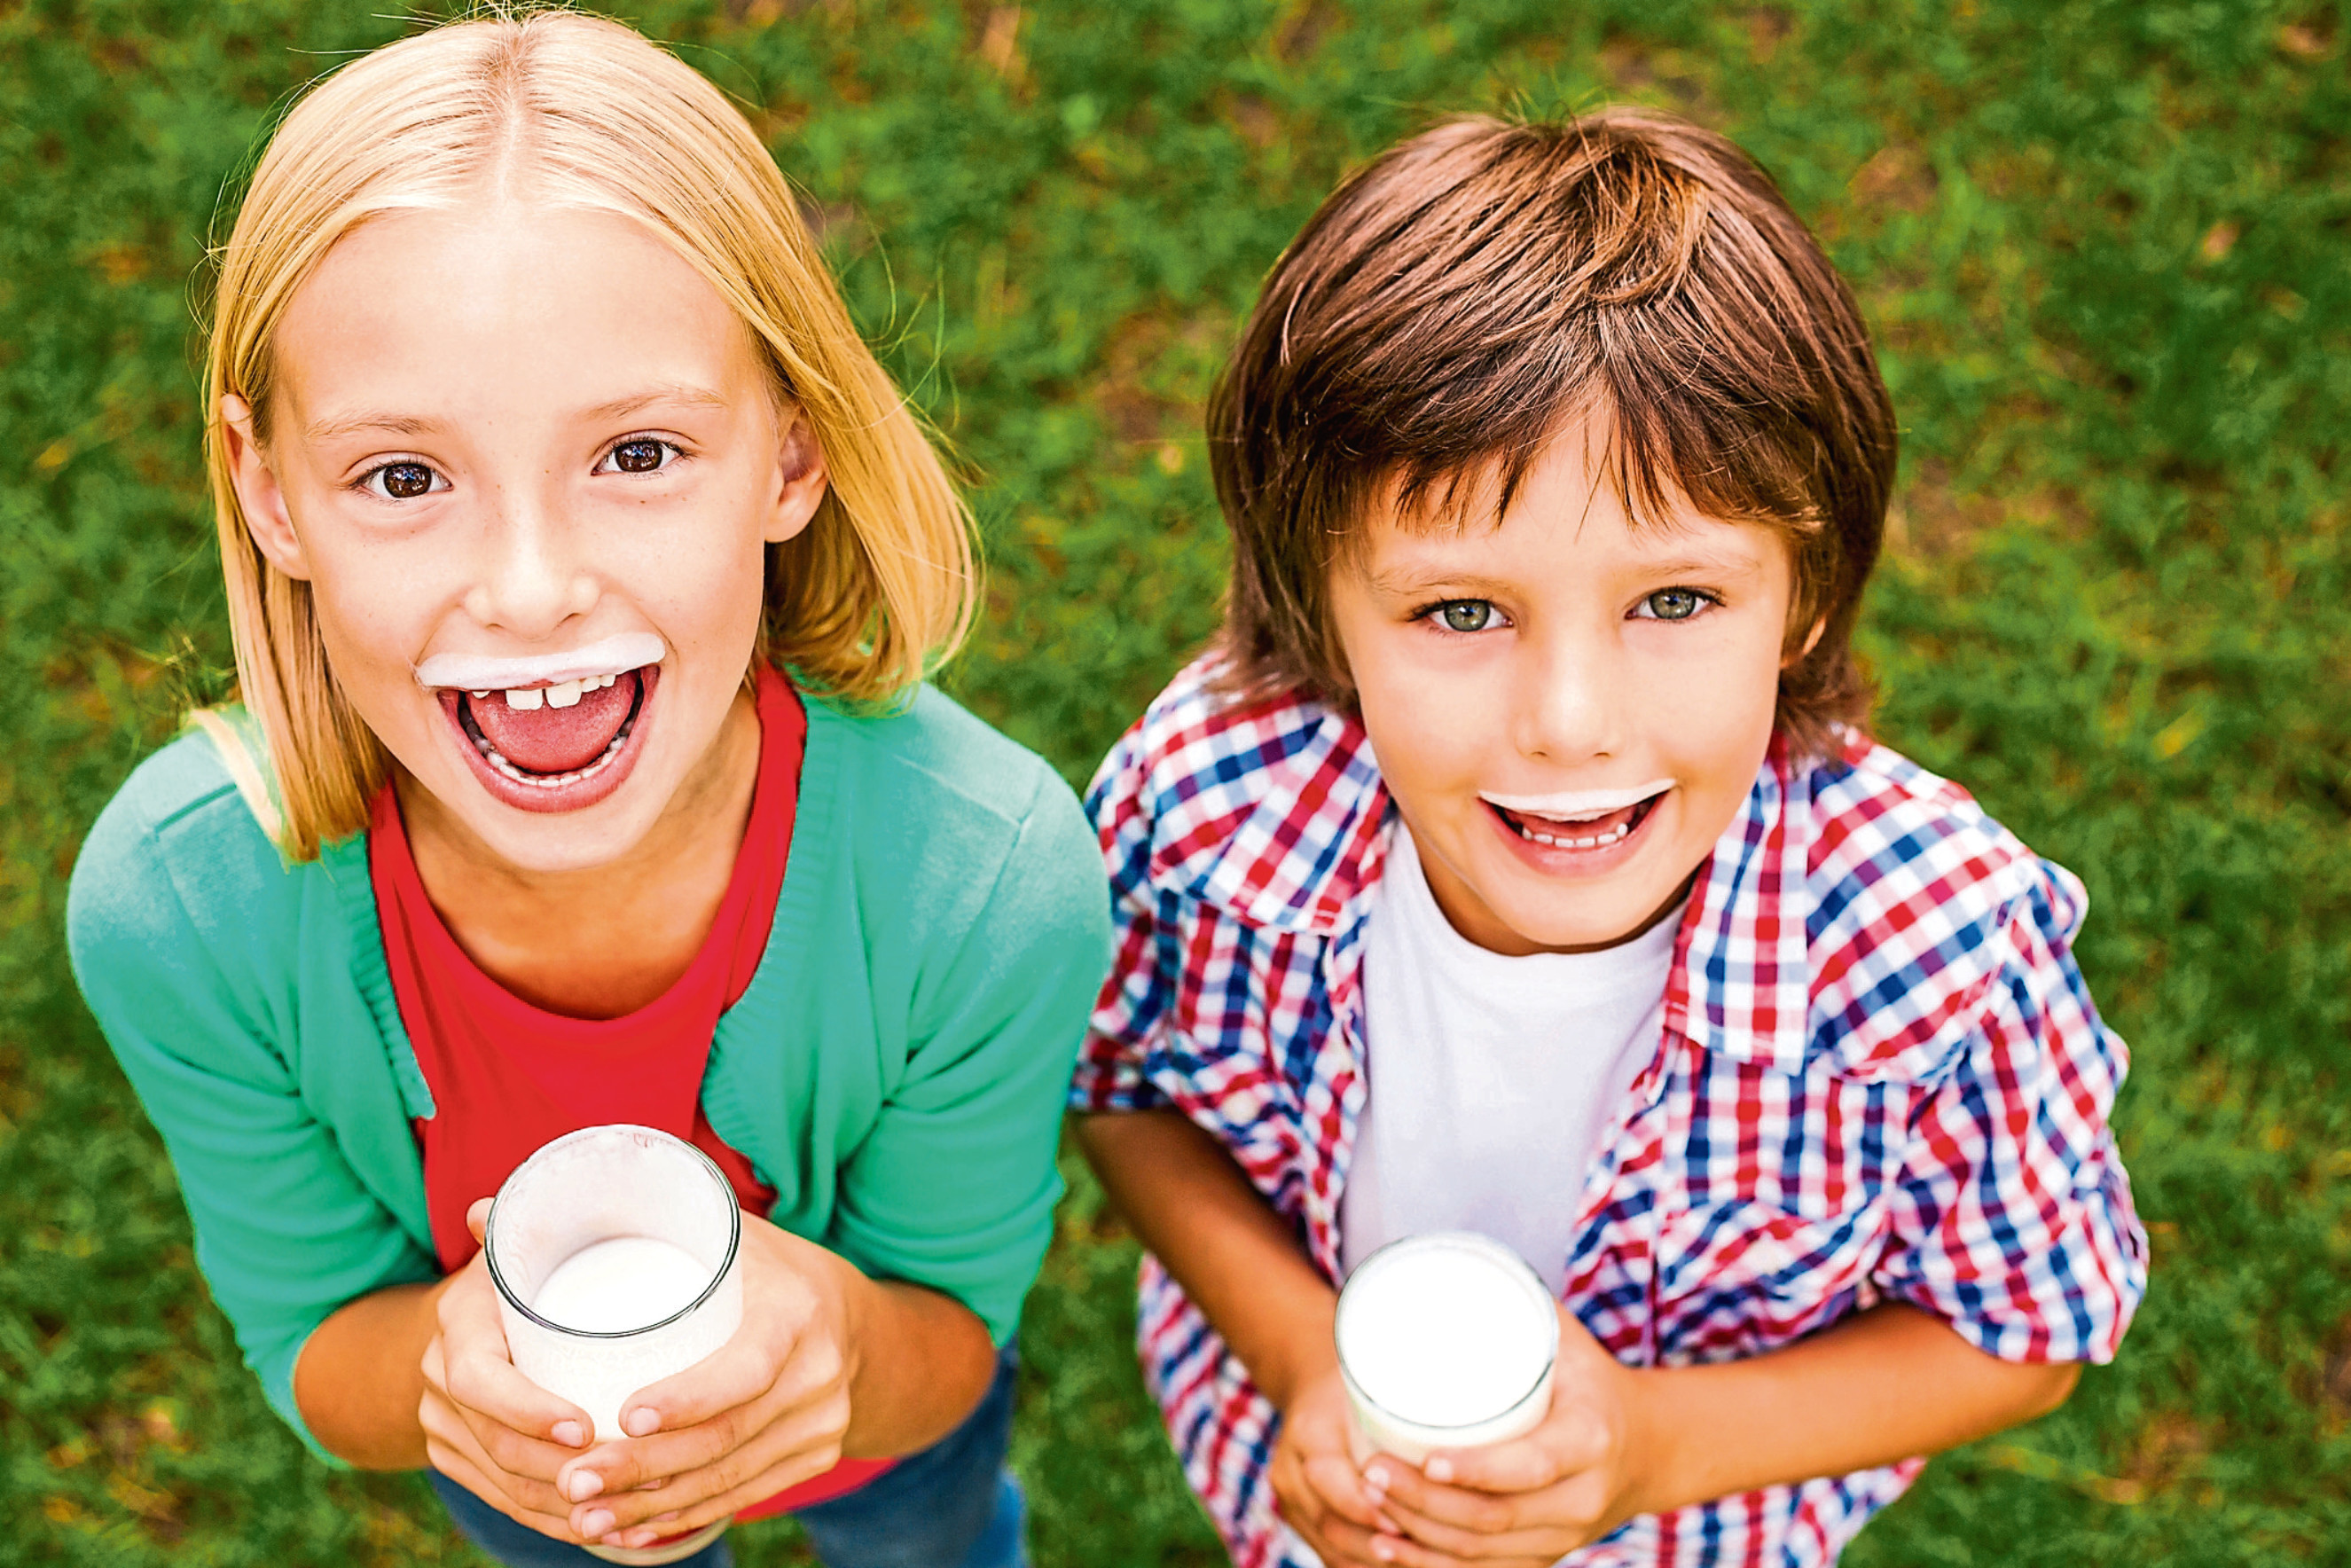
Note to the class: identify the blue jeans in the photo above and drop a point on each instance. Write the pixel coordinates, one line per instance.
(953, 1505)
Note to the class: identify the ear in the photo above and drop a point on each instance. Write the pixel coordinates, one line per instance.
(1811, 641)
(802, 481)
(258, 494)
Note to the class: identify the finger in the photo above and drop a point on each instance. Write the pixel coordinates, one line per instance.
(1340, 1488)
(469, 1362)
(450, 1449)
(477, 1218)
(1345, 1541)
(1550, 1525)
(782, 1456)
(453, 1465)
(1394, 1485)
(629, 1464)
(742, 1370)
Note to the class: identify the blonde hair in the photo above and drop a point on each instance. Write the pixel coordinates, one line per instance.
(861, 605)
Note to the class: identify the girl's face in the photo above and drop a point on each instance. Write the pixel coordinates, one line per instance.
(510, 434)
(1568, 709)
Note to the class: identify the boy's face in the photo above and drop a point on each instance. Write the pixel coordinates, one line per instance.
(528, 439)
(1567, 676)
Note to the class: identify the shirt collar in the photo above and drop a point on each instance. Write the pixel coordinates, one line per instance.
(1310, 848)
(1741, 982)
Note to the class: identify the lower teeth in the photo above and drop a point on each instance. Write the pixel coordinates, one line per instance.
(551, 781)
(1598, 841)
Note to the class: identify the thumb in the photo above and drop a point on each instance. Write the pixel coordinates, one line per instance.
(477, 1218)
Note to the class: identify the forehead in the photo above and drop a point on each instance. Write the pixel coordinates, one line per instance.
(499, 300)
(1571, 502)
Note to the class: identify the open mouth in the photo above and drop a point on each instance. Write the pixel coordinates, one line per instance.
(1585, 834)
(555, 746)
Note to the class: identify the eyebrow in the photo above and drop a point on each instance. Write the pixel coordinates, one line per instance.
(1701, 564)
(677, 393)
(1411, 582)
(681, 393)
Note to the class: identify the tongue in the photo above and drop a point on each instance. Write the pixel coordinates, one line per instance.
(1581, 830)
(550, 740)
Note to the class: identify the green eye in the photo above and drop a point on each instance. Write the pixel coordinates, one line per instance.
(1675, 603)
(1466, 614)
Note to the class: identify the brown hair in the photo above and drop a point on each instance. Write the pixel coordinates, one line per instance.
(1458, 300)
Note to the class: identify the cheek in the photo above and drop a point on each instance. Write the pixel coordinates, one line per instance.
(1429, 727)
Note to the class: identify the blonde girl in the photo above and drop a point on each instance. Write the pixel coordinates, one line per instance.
(584, 569)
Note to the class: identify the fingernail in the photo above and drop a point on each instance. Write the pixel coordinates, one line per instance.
(583, 1485)
(1382, 1550)
(641, 1422)
(568, 1433)
(669, 1518)
(597, 1521)
(1385, 1522)
(1438, 1469)
(636, 1538)
(1376, 1477)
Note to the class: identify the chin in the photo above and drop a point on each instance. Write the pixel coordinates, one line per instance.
(552, 842)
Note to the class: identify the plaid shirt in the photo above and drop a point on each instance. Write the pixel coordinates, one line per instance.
(1881, 1079)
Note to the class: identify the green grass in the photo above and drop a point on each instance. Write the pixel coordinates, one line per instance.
(2103, 246)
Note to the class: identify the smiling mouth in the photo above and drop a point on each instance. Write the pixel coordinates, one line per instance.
(548, 737)
(1599, 831)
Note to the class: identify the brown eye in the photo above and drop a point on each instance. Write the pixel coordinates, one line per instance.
(638, 456)
(406, 481)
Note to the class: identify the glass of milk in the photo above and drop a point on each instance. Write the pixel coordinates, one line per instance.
(1445, 1340)
(615, 1254)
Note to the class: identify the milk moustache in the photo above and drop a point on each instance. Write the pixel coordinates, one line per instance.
(1444, 1335)
(619, 1285)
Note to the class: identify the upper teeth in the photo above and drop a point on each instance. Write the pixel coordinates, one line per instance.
(563, 693)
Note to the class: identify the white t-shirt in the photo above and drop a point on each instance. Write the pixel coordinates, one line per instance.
(1491, 1078)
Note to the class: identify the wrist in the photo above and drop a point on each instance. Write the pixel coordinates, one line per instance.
(1654, 1455)
(1304, 1355)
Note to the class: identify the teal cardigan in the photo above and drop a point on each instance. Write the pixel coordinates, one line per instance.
(895, 1069)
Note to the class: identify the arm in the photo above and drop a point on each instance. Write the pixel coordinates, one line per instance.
(1848, 1399)
(1889, 1385)
(361, 1378)
(883, 1338)
(2012, 1257)
(186, 970)
(1235, 1258)
(1240, 1265)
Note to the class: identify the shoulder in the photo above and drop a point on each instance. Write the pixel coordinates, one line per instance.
(177, 823)
(1259, 806)
(933, 751)
(930, 786)
(1920, 904)
(176, 861)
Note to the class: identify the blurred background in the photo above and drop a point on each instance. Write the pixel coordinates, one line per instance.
(2103, 245)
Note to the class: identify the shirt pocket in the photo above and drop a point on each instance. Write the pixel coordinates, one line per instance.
(1740, 1277)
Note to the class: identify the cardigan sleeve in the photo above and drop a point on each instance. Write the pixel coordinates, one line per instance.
(165, 926)
(953, 1186)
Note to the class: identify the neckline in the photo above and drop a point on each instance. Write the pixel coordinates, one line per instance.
(1638, 962)
(715, 954)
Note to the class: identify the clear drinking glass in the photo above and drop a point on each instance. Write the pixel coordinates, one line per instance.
(1446, 1340)
(614, 1251)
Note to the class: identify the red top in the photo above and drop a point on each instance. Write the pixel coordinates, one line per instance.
(507, 1076)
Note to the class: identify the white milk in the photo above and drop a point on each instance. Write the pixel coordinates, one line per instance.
(628, 1283)
(1445, 1340)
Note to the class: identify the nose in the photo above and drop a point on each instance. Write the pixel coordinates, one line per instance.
(531, 578)
(1570, 705)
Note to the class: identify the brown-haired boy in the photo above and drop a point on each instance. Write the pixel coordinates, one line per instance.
(1515, 863)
